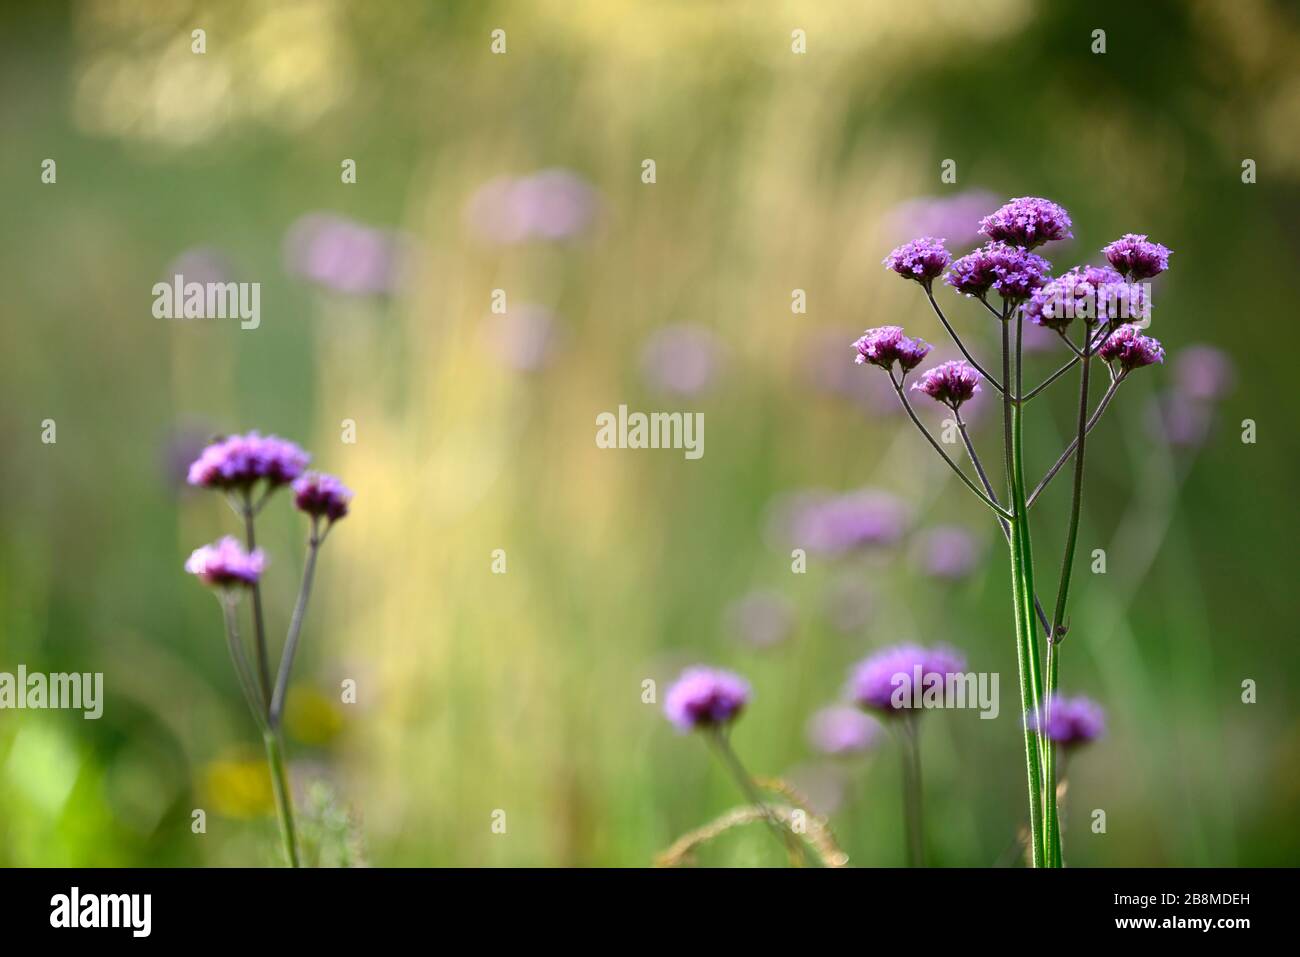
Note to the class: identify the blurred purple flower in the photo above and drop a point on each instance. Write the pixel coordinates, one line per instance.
(1071, 721)
(344, 255)
(705, 697)
(841, 730)
(1179, 421)
(956, 217)
(763, 618)
(201, 264)
(1203, 372)
(830, 524)
(681, 359)
(550, 204)
(525, 338)
(948, 552)
(239, 461)
(321, 495)
(876, 679)
(225, 564)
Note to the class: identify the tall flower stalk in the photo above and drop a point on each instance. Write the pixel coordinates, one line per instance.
(1100, 296)
(249, 469)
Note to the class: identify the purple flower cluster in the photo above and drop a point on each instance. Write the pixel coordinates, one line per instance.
(706, 698)
(226, 564)
(321, 495)
(1070, 721)
(951, 383)
(1011, 270)
(884, 682)
(1027, 221)
(921, 259)
(840, 731)
(1091, 293)
(1130, 349)
(1133, 256)
(886, 345)
(239, 461)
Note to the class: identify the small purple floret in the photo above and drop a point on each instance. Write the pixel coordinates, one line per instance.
(226, 564)
(1131, 349)
(951, 383)
(839, 731)
(1137, 258)
(1027, 221)
(885, 345)
(705, 698)
(321, 495)
(921, 259)
(876, 680)
(1071, 721)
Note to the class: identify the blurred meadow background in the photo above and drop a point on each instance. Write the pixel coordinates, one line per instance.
(475, 430)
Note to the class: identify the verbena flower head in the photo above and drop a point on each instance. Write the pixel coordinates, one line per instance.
(226, 564)
(951, 383)
(1071, 721)
(921, 259)
(705, 698)
(1090, 293)
(885, 345)
(1135, 257)
(948, 552)
(321, 495)
(884, 682)
(1014, 272)
(840, 731)
(1027, 221)
(839, 524)
(1203, 372)
(1131, 349)
(238, 461)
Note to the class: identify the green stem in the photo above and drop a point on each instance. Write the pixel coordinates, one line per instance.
(747, 786)
(283, 799)
(912, 818)
(259, 626)
(295, 626)
(1022, 589)
(1058, 618)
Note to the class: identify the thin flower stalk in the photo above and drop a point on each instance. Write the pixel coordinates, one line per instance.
(241, 466)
